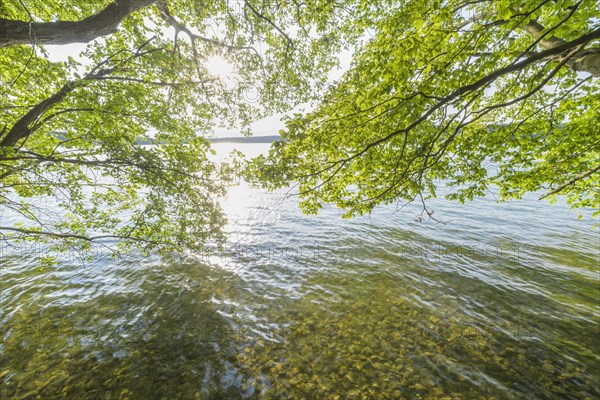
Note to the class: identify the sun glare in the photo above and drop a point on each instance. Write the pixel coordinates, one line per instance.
(218, 66)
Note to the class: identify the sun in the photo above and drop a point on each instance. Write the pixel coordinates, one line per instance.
(220, 67)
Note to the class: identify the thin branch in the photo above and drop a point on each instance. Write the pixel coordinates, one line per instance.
(72, 235)
(571, 181)
(268, 20)
(166, 15)
(156, 83)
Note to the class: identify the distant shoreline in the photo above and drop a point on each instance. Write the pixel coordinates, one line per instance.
(233, 139)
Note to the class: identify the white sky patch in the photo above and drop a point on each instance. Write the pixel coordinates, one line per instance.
(62, 53)
(221, 68)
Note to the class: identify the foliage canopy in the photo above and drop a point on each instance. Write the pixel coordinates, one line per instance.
(73, 165)
(468, 93)
(437, 91)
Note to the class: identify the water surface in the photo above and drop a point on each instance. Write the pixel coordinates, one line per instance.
(501, 302)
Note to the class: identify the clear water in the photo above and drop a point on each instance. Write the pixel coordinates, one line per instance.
(502, 302)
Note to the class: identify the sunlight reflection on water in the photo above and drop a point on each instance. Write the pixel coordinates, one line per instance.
(502, 301)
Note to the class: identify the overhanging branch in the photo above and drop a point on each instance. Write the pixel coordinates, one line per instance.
(28, 123)
(586, 61)
(105, 22)
(72, 235)
(554, 51)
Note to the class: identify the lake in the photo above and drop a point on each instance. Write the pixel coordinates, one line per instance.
(503, 302)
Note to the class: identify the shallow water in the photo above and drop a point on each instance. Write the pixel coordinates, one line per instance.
(501, 302)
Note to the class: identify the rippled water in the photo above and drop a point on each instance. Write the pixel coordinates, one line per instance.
(501, 302)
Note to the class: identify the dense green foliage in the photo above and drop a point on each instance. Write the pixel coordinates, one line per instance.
(471, 94)
(437, 91)
(72, 166)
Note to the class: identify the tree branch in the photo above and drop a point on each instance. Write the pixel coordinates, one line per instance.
(571, 181)
(155, 83)
(268, 20)
(586, 61)
(72, 235)
(165, 14)
(27, 124)
(557, 50)
(13, 32)
(22, 128)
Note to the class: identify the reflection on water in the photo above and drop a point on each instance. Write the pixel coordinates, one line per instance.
(502, 302)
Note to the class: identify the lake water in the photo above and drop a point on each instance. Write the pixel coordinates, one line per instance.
(501, 302)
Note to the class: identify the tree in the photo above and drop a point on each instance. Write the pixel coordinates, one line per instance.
(469, 93)
(73, 170)
(437, 91)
